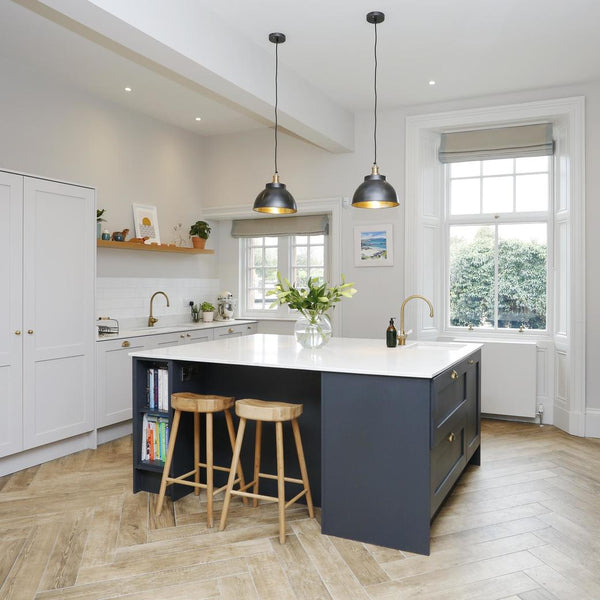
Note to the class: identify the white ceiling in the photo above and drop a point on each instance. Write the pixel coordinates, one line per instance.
(469, 47)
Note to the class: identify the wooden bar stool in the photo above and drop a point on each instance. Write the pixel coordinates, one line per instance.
(207, 405)
(277, 412)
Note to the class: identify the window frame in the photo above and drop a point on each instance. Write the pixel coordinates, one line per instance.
(284, 265)
(494, 219)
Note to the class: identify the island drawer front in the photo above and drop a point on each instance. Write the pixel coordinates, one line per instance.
(449, 393)
(448, 458)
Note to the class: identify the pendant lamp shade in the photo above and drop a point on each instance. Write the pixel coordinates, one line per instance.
(375, 191)
(275, 199)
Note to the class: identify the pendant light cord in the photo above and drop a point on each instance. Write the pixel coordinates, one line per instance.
(276, 98)
(375, 88)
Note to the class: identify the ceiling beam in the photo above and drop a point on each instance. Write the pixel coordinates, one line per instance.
(189, 43)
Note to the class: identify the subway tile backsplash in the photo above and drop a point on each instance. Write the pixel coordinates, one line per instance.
(128, 299)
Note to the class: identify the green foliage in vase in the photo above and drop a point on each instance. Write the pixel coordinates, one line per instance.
(313, 299)
(99, 213)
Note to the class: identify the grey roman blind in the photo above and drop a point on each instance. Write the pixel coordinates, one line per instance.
(503, 142)
(276, 226)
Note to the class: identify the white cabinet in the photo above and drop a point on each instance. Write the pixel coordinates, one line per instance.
(47, 338)
(235, 330)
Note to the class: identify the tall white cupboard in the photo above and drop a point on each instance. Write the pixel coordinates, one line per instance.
(47, 276)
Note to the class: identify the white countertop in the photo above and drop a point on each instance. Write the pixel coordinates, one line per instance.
(340, 355)
(158, 329)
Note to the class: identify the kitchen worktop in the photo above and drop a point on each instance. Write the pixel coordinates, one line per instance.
(341, 355)
(129, 332)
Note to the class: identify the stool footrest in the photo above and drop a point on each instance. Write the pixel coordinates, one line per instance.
(251, 495)
(288, 479)
(295, 498)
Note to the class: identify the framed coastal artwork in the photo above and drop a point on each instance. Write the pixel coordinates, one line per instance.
(145, 219)
(373, 245)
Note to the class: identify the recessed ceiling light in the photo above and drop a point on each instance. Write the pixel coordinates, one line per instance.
(128, 89)
(431, 82)
(198, 118)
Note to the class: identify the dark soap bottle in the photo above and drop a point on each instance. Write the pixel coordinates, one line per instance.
(391, 335)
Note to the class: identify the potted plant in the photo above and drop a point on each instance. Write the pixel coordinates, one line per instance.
(199, 232)
(207, 312)
(312, 300)
(99, 219)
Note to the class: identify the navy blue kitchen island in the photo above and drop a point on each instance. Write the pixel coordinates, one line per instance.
(386, 431)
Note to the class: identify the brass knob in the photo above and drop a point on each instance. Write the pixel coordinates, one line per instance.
(18, 332)
(188, 335)
(125, 344)
(451, 437)
(230, 330)
(182, 336)
(471, 362)
(30, 331)
(454, 374)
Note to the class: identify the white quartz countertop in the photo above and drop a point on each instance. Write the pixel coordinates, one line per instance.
(340, 355)
(172, 328)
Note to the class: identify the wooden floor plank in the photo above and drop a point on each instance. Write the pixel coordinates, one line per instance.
(525, 525)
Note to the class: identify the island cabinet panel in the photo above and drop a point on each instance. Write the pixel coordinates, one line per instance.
(393, 447)
(376, 460)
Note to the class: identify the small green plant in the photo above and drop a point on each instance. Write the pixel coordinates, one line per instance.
(195, 309)
(99, 213)
(207, 307)
(201, 229)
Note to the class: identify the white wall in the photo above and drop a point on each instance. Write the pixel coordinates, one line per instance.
(312, 173)
(50, 129)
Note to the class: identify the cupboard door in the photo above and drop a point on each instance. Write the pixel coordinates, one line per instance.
(11, 300)
(114, 380)
(58, 310)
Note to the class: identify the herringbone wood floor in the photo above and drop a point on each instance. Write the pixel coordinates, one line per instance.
(525, 525)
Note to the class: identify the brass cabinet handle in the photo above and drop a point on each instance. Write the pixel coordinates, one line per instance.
(182, 336)
(452, 437)
(188, 335)
(125, 344)
(18, 332)
(454, 374)
(30, 331)
(471, 362)
(230, 330)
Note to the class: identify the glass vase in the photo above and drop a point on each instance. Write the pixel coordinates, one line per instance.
(312, 330)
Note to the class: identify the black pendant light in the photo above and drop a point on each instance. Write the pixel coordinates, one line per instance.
(275, 199)
(375, 191)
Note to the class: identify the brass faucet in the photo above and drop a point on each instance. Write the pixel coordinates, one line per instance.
(151, 319)
(403, 335)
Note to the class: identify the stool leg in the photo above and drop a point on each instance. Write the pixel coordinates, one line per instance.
(196, 452)
(300, 452)
(234, 463)
(231, 431)
(167, 467)
(257, 447)
(280, 480)
(209, 469)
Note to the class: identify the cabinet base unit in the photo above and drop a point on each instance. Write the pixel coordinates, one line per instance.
(383, 451)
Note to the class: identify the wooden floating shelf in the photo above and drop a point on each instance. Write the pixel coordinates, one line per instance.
(151, 247)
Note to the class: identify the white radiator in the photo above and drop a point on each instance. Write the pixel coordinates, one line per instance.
(508, 379)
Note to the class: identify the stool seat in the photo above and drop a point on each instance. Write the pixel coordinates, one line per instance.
(261, 410)
(201, 403)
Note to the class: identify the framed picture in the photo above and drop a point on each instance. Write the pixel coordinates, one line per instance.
(145, 219)
(373, 246)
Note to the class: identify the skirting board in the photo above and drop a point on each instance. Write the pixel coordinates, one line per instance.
(592, 422)
(42, 454)
(113, 432)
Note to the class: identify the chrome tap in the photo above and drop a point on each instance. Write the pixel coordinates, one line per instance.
(403, 335)
(151, 319)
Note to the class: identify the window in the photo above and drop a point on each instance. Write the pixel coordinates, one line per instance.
(296, 257)
(498, 223)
